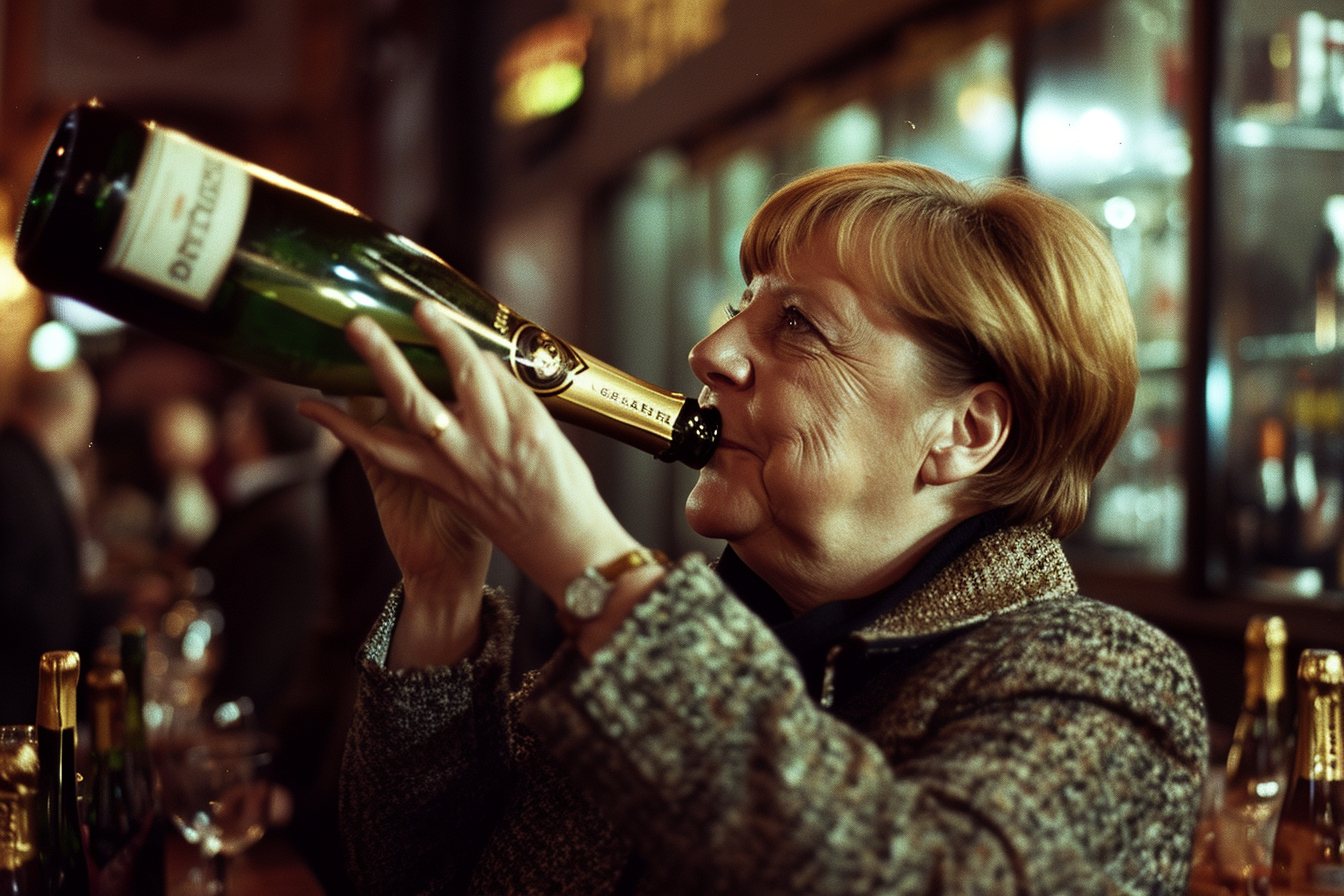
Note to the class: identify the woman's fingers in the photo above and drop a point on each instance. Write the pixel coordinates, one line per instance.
(418, 408)
(477, 384)
(395, 450)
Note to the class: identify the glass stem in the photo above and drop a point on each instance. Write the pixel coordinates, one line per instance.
(221, 874)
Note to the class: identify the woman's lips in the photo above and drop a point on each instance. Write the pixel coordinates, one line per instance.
(730, 444)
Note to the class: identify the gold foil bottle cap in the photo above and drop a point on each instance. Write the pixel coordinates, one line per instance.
(107, 705)
(103, 681)
(1266, 637)
(1266, 631)
(57, 676)
(1320, 666)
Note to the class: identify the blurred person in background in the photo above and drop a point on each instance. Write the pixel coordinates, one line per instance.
(183, 441)
(43, 603)
(315, 714)
(267, 557)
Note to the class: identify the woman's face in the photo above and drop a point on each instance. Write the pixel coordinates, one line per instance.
(827, 421)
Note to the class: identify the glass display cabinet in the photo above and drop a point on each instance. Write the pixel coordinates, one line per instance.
(1103, 127)
(1095, 118)
(1275, 382)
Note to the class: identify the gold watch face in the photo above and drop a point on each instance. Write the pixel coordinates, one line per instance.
(587, 595)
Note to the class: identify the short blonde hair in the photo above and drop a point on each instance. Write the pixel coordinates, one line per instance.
(998, 283)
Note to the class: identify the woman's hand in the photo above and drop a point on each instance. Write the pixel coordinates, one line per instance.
(442, 558)
(494, 465)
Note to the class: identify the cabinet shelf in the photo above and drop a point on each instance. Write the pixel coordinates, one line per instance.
(1157, 355)
(1249, 133)
(1284, 347)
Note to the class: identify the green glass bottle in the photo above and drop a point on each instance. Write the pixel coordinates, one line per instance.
(1307, 845)
(20, 867)
(198, 246)
(1257, 763)
(107, 811)
(60, 844)
(142, 786)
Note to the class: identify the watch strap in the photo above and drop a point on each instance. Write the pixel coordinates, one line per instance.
(631, 560)
(586, 597)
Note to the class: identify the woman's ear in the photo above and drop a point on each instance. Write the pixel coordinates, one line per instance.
(976, 429)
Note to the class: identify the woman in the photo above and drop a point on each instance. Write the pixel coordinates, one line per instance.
(887, 684)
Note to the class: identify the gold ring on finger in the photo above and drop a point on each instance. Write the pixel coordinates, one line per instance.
(440, 424)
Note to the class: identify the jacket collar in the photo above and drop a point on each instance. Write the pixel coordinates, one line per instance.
(981, 567)
(1005, 570)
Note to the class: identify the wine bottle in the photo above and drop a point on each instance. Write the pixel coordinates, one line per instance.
(59, 842)
(141, 785)
(1307, 845)
(107, 813)
(20, 868)
(198, 246)
(1257, 764)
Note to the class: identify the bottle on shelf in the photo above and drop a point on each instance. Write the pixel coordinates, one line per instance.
(1266, 538)
(1257, 764)
(60, 844)
(20, 867)
(198, 246)
(1307, 844)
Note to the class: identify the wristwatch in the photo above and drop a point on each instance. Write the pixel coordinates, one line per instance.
(586, 597)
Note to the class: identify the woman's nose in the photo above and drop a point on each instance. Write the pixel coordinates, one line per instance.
(721, 360)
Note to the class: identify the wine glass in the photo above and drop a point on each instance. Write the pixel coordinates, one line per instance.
(217, 791)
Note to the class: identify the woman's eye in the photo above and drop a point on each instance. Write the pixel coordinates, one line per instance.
(794, 321)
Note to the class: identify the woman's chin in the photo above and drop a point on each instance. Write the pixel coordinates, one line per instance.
(713, 511)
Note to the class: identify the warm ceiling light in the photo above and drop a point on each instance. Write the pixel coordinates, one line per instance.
(541, 71)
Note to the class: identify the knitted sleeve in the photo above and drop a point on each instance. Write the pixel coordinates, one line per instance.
(425, 761)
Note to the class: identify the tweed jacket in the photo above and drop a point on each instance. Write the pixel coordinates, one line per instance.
(994, 732)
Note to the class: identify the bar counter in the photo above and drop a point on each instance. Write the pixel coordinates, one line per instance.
(272, 867)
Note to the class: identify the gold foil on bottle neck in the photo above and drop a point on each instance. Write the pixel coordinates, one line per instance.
(1320, 735)
(1266, 637)
(1319, 666)
(18, 794)
(57, 676)
(107, 704)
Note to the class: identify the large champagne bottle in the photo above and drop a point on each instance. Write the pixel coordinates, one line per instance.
(204, 248)
(1257, 764)
(59, 842)
(20, 867)
(1307, 845)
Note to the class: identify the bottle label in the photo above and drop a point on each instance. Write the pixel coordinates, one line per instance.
(584, 390)
(181, 222)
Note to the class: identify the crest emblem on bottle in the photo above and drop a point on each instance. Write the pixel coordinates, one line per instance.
(546, 364)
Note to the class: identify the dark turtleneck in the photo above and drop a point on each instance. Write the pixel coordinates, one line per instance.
(811, 636)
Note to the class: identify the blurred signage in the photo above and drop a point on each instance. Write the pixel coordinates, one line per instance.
(541, 71)
(642, 39)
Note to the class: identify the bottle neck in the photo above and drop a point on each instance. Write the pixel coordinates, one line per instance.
(1257, 678)
(1320, 750)
(58, 674)
(107, 709)
(133, 666)
(107, 726)
(18, 807)
(56, 695)
(17, 830)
